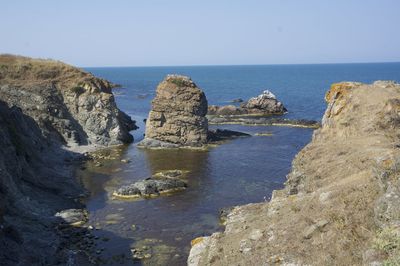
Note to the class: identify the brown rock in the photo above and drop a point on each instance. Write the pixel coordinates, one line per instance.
(178, 114)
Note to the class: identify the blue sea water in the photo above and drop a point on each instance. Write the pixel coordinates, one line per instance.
(238, 172)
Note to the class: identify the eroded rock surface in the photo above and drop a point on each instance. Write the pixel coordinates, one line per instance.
(264, 104)
(70, 105)
(340, 202)
(263, 121)
(44, 106)
(150, 187)
(177, 116)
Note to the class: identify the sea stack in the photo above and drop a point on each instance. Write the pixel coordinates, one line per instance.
(178, 115)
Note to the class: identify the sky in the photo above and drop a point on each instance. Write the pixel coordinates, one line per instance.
(204, 32)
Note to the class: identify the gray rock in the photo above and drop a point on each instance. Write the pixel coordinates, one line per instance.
(150, 187)
(73, 216)
(71, 106)
(264, 104)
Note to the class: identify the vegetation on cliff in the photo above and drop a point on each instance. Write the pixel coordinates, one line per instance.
(340, 205)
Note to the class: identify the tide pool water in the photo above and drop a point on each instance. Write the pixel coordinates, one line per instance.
(240, 171)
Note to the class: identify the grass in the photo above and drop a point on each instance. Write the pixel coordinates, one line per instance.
(178, 82)
(388, 241)
(77, 90)
(24, 71)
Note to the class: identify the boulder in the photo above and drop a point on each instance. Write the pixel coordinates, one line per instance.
(217, 135)
(265, 103)
(150, 187)
(177, 115)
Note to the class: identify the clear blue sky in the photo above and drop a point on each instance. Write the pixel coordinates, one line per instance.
(202, 32)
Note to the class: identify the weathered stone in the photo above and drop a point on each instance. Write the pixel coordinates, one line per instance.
(70, 105)
(150, 187)
(343, 190)
(177, 115)
(73, 216)
(264, 104)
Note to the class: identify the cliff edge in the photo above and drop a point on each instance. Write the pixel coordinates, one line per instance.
(70, 105)
(48, 109)
(340, 204)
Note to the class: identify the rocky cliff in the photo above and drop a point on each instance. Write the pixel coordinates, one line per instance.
(340, 204)
(44, 106)
(69, 105)
(177, 117)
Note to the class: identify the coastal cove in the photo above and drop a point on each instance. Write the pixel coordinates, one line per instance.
(240, 171)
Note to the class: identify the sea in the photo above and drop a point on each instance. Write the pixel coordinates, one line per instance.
(240, 171)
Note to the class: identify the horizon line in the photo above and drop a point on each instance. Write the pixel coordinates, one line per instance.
(216, 65)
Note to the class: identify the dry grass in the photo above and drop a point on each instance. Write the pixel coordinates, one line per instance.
(19, 70)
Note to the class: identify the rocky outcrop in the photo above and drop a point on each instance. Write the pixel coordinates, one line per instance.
(177, 116)
(70, 106)
(161, 183)
(264, 104)
(340, 202)
(150, 187)
(263, 121)
(35, 183)
(45, 105)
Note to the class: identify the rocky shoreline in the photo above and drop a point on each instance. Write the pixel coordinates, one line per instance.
(340, 201)
(50, 115)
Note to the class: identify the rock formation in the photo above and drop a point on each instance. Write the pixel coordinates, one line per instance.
(44, 105)
(177, 117)
(264, 104)
(70, 105)
(150, 187)
(340, 204)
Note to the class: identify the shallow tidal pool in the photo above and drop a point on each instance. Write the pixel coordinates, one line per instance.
(159, 230)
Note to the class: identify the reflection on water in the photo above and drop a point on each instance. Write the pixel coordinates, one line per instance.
(238, 172)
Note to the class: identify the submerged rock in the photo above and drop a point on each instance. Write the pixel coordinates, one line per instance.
(224, 134)
(177, 117)
(170, 173)
(150, 187)
(238, 100)
(264, 121)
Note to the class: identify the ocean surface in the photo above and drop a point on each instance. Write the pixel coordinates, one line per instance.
(238, 172)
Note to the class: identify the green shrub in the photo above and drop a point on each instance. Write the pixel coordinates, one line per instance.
(178, 82)
(78, 90)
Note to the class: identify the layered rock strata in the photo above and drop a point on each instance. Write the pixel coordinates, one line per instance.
(177, 117)
(340, 204)
(44, 106)
(70, 105)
